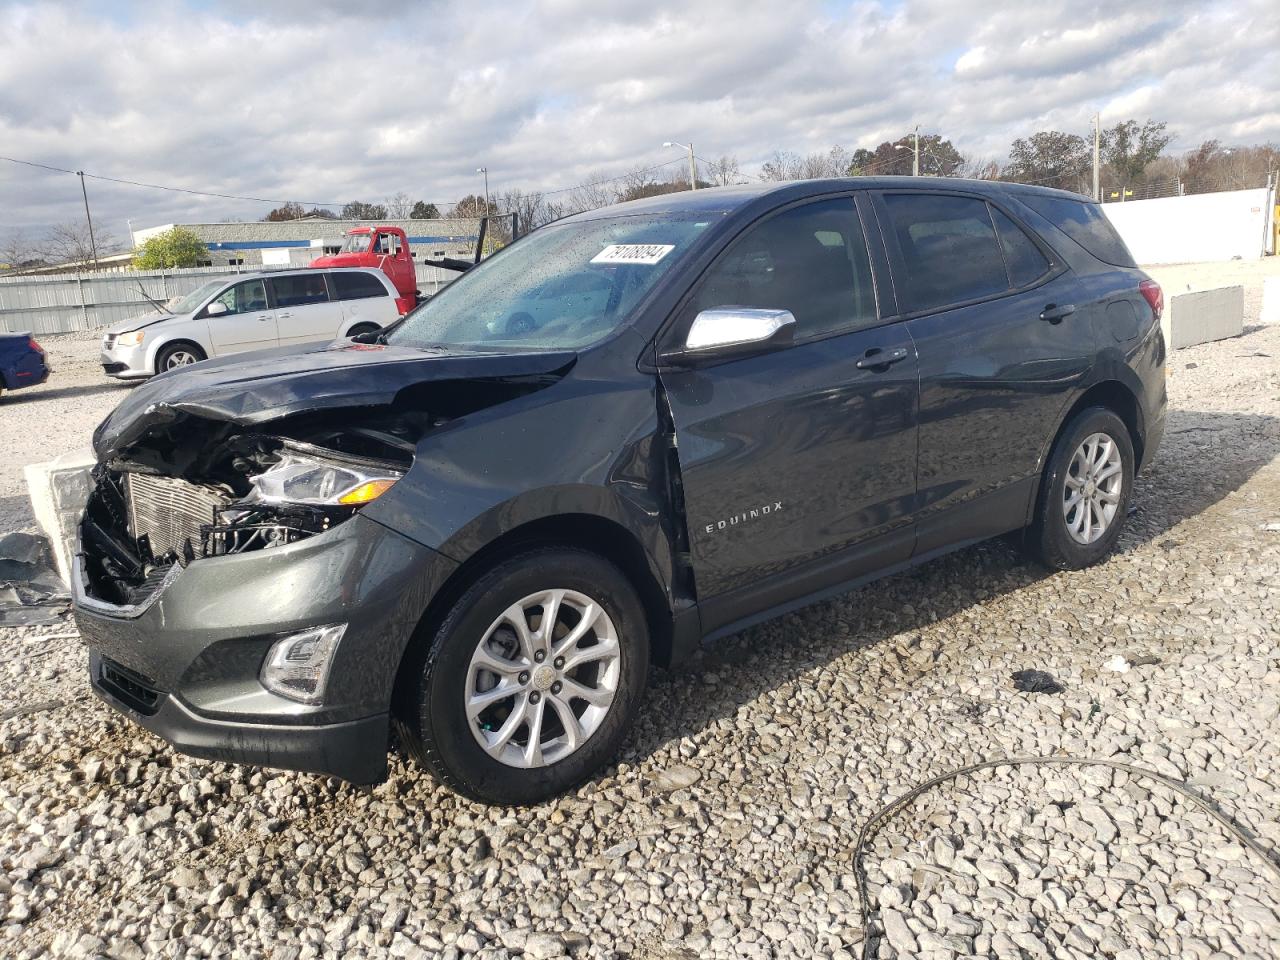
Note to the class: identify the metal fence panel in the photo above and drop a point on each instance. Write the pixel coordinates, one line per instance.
(67, 303)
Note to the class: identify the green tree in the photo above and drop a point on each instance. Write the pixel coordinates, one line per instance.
(178, 247)
(473, 205)
(1051, 158)
(938, 158)
(1129, 147)
(424, 211)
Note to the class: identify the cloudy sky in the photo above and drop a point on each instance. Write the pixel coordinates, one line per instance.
(326, 102)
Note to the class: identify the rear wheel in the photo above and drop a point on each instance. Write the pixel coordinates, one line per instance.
(532, 680)
(176, 355)
(1084, 496)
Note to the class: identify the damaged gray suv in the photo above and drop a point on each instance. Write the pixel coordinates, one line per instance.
(485, 523)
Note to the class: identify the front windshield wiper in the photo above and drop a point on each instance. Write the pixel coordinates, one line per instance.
(155, 303)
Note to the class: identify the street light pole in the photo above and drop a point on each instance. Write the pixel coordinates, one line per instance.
(915, 160)
(693, 166)
(93, 244)
(485, 171)
(1097, 143)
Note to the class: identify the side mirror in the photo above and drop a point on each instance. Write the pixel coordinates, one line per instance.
(728, 332)
(215, 309)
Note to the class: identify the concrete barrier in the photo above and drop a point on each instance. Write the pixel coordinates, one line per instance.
(1203, 226)
(1270, 301)
(1204, 316)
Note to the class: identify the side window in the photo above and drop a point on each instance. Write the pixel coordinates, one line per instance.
(356, 286)
(246, 297)
(1023, 258)
(299, 289)
(811, 260)
(949, 247)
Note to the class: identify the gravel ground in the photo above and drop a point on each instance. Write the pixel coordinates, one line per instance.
(728, 825)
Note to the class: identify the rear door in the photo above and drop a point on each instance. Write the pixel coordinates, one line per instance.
(364, 298)
(248, 324)
(797, 466)
(304, 312)
(994, 375)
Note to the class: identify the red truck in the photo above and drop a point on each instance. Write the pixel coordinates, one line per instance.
(386, 248)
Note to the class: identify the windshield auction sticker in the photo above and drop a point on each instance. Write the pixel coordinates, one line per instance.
(633, 253)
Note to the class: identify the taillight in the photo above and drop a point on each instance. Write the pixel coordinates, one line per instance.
(1154, 296)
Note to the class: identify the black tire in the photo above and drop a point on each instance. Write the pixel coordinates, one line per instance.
(360, 328)
(1049, 538)
(433, 722)
(169, 355)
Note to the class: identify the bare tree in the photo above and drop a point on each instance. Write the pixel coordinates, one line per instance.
(783, 165)
(592, 195)
(531, 209)
(724, 171)
(70, 242)
(398, 207)
(18, 250)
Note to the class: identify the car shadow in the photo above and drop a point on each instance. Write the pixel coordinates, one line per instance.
(34, 394)
(1204, 457)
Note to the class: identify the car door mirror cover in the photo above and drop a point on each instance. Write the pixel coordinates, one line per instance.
(215, 309)
(725, 332)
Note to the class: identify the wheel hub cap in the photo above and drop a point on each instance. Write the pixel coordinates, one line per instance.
(1093, 488)
(542, 678)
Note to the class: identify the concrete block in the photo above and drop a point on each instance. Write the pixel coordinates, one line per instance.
(1270, 301)
(59, 490)
(1205, 315)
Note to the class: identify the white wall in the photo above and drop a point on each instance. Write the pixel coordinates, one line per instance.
(1203, 226)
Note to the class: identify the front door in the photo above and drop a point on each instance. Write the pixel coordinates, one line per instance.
(248, 324)
(798, 465)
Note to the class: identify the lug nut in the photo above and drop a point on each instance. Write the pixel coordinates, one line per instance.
(524, 678)
(559, 663)
(540, 656)
(535, 697)
(555, 687)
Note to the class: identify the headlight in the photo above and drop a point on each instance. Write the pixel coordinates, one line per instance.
(132, 339)
(297, 478)
(297, 666)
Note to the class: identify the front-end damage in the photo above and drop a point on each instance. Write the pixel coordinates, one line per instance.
(200, 472)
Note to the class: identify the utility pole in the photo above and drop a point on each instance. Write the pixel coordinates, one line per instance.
(93, 244)
(693, 166)
(1097, 143)
(915, 159)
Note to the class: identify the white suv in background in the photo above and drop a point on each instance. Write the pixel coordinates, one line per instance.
(250, 312)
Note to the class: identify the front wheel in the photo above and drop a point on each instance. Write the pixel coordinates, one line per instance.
(532, 680)
(1084, 496)
(178, 355)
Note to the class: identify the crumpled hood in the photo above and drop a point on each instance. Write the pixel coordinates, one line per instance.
(266, 385)
(144, 319)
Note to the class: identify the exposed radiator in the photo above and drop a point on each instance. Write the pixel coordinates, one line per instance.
(169, 511)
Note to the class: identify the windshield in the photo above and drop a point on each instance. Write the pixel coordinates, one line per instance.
(356, 243)
(186, 303)
(562, 286)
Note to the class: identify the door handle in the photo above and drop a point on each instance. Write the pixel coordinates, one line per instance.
(282, 316)
(1056, 314)
(878, 358)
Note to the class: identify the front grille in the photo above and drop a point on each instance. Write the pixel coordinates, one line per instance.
(132, 689)
(169, 512)
(113, 367)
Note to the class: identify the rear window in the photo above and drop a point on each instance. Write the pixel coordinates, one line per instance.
(1086, 224)
(356, 286)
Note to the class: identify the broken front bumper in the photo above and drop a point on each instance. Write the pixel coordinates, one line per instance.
(185, 662)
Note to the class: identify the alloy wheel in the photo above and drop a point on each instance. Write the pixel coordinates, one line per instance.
(181, 358)
(542, 678)
(1093, 488)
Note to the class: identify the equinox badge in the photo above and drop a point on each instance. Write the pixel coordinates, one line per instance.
(753, 514)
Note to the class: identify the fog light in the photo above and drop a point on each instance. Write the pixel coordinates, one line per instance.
(297, 666)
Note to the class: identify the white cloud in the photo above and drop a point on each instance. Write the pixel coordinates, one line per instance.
(319, 101)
